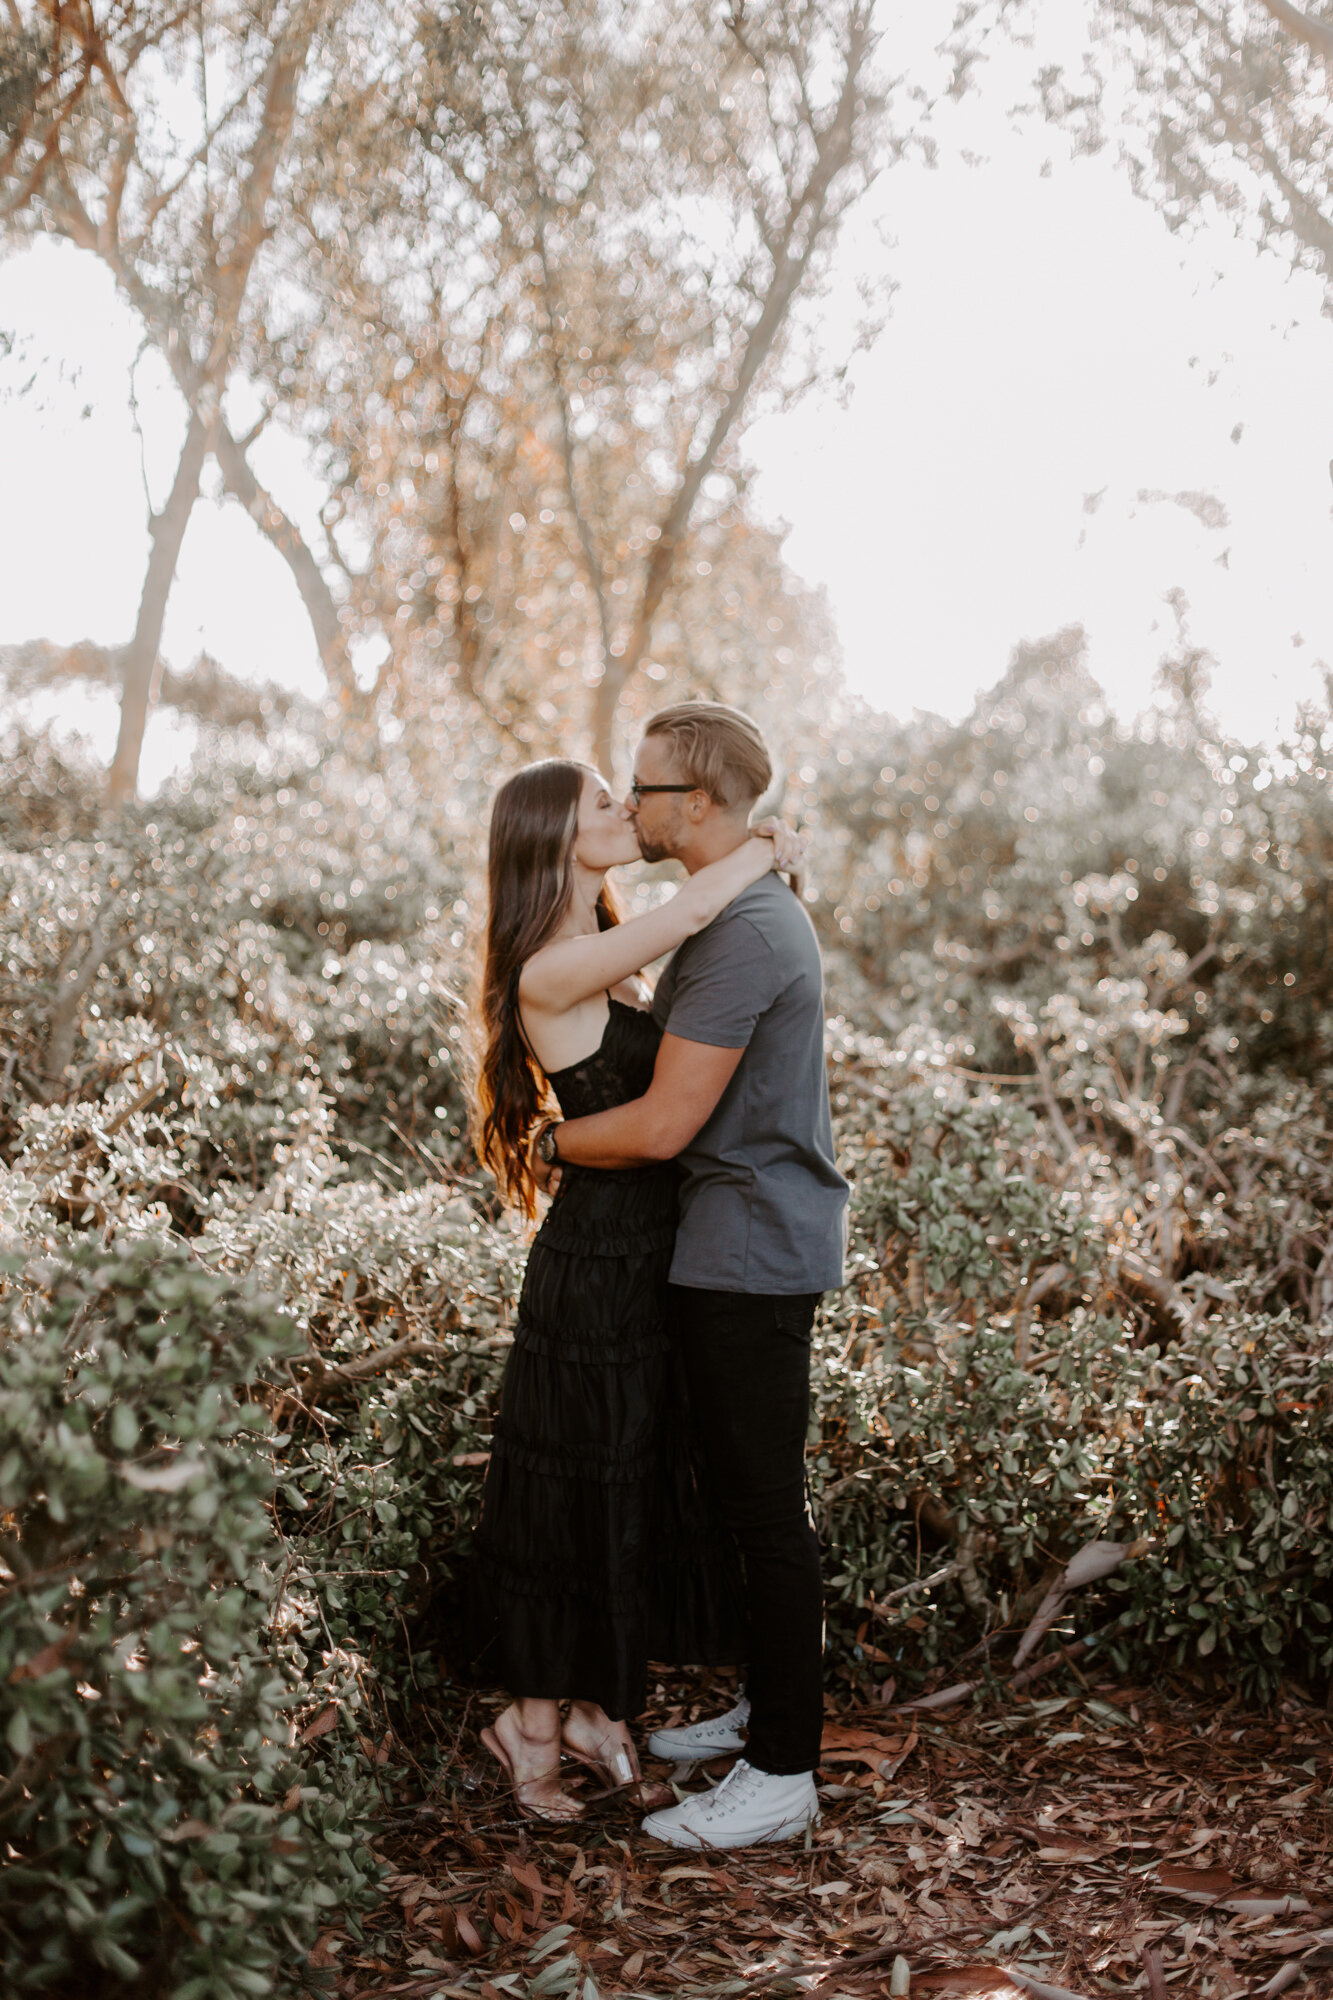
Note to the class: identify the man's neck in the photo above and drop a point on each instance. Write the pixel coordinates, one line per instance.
(713, 843)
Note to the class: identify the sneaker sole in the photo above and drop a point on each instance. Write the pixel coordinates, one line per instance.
(673, 1744)
(676, 1836)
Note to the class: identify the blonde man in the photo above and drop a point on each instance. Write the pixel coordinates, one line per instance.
(739, 1097)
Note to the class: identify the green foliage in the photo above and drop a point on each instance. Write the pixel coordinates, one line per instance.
(1041, 842)
(1080, 1068)
(1215, 1454)
(1236, 1464)
(380, 1466)
(259, 944)
(161, 1826)
(943, 1171)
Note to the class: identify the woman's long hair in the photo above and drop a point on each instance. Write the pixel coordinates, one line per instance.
(530, 867)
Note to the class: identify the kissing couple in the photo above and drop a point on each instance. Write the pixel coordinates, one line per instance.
(645, 1497)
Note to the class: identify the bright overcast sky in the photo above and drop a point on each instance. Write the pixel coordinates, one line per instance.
(1056, 368)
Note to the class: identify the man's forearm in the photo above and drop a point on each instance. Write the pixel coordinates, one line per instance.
(626, 1136)
(688, 1081)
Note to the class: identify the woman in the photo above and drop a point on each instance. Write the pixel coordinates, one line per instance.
(592, 1554)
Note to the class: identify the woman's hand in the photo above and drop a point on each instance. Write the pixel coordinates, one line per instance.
(545, 1174)
(788, 844)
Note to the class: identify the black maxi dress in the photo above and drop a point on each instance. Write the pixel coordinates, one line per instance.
(598, 1548)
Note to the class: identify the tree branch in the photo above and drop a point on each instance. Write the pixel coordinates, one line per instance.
(73, 980)
(367, 1364)
(1316, 35)
(583, 528)
(291, 545)
(801, 235)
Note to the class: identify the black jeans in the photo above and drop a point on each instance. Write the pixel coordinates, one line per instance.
(747, 1359)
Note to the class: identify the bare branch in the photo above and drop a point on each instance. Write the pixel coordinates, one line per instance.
(382, 1357)
(583, 527)
(1317, 35)
(801, 236)
(1095, 1560)
(287, 539)
(76, 975)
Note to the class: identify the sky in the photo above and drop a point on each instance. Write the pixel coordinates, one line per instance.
(1055, 370)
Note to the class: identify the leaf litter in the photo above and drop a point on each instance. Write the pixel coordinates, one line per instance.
(1111, 1840)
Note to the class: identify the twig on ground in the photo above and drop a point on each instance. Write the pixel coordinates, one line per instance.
(1095, 1560)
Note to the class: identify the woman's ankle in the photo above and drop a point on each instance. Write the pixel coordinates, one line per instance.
(592, 1716)
(537, 1723)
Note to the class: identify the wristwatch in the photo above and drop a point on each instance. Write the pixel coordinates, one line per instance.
(545, 1146)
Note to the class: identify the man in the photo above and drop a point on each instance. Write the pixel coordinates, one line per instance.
(739, 1095)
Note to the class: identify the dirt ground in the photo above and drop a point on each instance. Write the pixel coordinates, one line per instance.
(1090, 1839)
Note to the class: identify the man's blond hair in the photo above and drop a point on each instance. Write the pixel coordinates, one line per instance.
(716, 748)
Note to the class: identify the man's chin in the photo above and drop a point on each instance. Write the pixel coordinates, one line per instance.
(652, 851)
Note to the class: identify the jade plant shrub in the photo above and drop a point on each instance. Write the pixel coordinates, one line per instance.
(404, 1299)
(969, 1461)
(989, 1394)
(987, 1473)
(164, 1832)
(991, 855)
(255, 936)
(1233, 1471)
(952, 1197)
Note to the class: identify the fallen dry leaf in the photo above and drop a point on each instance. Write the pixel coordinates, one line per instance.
(969, 1982)
(950, 1862)
(429, 1961)
(469, 1935)
(1067, 1847)
(324, 1951)
(1201, 1884)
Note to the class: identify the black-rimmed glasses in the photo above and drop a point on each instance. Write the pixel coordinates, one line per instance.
(638, 791)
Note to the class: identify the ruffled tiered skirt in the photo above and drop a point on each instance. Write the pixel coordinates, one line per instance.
(598, 1548)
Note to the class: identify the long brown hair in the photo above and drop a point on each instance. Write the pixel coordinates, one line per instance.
(530, 868)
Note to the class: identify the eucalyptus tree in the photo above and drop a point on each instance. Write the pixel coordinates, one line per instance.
(158, 138)
(1231, 113)
(669, 180)
(555, 252)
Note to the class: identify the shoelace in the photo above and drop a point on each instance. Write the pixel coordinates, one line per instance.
(736, 1788)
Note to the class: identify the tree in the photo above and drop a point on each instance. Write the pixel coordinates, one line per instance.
(158, 139)
(553, 254)
(1233, 113)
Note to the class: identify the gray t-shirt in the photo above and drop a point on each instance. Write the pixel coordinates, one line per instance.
(762, 1202)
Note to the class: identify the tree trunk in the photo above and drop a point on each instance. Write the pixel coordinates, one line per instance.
(139, 659)
(807, 223)
(295, 552)
(232, 275)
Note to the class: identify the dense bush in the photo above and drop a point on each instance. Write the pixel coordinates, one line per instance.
(1080, 1058)
(161, 1825)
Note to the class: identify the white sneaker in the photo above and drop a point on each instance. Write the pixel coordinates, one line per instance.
(700, 1740)
(748, 1807)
